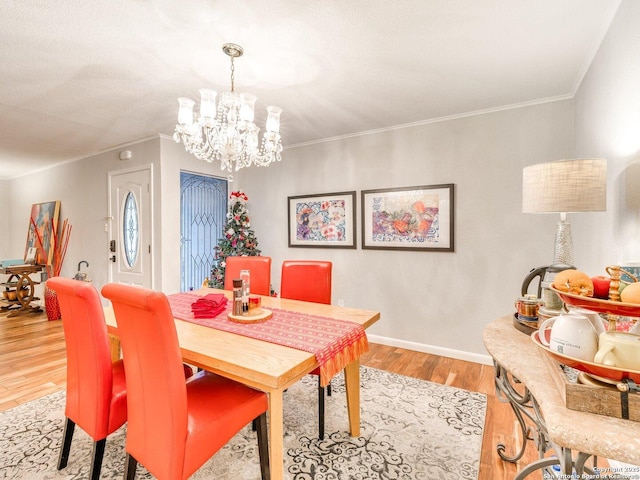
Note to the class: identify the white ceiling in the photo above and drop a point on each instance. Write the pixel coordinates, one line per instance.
(79, 77)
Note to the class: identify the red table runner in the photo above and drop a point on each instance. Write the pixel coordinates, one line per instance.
(335, 343)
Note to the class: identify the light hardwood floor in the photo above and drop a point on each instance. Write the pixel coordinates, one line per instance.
(32, 364)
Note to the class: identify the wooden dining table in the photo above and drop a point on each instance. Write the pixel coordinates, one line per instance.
(265, 366)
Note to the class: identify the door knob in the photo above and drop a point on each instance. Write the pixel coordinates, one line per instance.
(113, 258)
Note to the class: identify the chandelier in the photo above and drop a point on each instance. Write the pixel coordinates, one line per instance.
(226, 132)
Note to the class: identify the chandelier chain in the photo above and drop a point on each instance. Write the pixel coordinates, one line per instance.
(233, 77)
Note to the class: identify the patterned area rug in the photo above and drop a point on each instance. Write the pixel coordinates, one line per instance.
(410, 429)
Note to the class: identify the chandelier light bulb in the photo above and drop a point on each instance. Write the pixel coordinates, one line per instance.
(185, 114)
(247, 106)
(273, 119)
(207, 104)
(226, 132)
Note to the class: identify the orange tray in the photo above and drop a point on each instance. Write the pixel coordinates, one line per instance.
(599, 305)
(598, 369)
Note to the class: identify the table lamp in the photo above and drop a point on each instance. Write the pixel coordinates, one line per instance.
(565, 186)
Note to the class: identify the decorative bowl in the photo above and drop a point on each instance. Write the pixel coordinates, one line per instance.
(599, 305)
(597, 369)
(12, 295)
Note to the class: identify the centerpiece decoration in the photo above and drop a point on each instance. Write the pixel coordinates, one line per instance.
(238, 239)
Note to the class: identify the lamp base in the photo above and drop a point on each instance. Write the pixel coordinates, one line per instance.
(563, 248)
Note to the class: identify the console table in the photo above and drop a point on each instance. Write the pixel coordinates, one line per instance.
(523, 378)
(20, 285)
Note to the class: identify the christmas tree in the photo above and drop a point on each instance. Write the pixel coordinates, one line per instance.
(237, 238)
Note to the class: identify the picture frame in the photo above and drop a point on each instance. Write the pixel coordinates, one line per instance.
(31, 256)
(409, 218)
(43, 217)
(324, 220)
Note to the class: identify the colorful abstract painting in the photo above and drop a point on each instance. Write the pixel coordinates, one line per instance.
(43, 217)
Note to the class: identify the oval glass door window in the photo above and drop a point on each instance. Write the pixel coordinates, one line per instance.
(130, 230)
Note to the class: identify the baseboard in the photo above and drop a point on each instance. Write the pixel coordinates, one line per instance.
(421, 347)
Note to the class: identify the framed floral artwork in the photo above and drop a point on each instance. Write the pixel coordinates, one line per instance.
(326, 220)
(410, 218)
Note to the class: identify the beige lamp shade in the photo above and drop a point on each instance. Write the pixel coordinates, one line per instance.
(565, 186)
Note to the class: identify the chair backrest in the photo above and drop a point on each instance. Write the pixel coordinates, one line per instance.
(156, 389)
(89, 366)
(308, 280)
(260, 268)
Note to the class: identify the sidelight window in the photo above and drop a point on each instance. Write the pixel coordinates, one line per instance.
(130, 230)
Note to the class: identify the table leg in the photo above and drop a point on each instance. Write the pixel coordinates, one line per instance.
(524, 405)
(114, 346)
(276, 435)
(352, 384)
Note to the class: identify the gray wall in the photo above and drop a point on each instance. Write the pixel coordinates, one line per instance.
(81, 186)
(5, 238)
(435, 301)
(607, 124)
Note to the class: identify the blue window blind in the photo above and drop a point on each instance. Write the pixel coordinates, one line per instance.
(203, 209)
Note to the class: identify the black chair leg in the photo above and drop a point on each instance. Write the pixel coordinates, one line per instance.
(320, 411)
(329, 389)
(130, 465)
(263, 445)
(67, 435)
(96, 462)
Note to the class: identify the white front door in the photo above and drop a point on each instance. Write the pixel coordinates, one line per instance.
(130, 209)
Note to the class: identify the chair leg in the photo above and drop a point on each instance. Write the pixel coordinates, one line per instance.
(67, 435)
(130, 465)
(320, 410)
(329, 389)
(96, 462)
(263, 445)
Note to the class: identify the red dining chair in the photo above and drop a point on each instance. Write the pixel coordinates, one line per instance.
(175, 427)
(309, 280)
(260, 268)
(96, 397)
